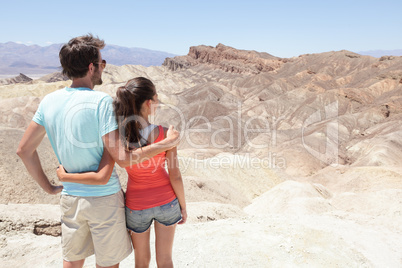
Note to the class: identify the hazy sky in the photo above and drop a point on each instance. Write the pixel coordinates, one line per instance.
(281, 28)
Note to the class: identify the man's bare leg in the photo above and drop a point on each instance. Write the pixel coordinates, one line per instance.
(113, 266)
(73, 264)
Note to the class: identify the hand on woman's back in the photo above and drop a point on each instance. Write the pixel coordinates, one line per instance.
(173, 135)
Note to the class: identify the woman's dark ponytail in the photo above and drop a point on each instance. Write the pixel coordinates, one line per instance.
(127, 107)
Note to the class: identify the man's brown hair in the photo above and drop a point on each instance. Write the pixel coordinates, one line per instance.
(78, 53)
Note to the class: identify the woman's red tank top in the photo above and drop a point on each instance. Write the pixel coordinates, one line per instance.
(148, 182)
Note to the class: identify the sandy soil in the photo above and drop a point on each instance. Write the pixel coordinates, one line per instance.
(228, 237)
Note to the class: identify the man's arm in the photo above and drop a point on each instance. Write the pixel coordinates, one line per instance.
(33, 136)
(126, 158)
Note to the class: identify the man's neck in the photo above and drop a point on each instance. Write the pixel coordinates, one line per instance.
(82, 82)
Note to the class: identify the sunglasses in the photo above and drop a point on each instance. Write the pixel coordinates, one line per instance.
(103, 64)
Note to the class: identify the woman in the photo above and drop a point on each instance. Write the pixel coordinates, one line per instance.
(152, 193)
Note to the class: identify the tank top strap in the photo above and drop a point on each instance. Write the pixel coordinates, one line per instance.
(161, 134)
(145, 132)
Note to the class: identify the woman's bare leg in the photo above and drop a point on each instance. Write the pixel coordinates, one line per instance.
(164, 236)
(142, 250)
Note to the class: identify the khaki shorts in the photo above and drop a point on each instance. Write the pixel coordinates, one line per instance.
(94, 225)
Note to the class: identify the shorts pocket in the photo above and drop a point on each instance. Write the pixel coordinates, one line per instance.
(170, 213)
(138, 220)
(68, 204)
(170, 206)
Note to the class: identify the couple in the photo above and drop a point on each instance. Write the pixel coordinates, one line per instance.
(87, 140)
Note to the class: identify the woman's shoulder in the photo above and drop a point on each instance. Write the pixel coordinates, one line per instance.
(155, 133)
(165, 129)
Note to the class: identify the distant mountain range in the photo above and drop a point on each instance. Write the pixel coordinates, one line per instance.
(18, 58)
(380, 53)
(36, 60)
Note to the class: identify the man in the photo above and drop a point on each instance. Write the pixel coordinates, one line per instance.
(80, 123)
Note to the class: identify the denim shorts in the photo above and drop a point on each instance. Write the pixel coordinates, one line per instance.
(139, 221)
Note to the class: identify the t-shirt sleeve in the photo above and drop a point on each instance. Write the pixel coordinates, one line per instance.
(38, 117)
(107, 119)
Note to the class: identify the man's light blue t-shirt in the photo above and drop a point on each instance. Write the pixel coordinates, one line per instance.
(75, 120)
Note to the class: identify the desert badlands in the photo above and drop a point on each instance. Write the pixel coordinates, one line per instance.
(291, 162)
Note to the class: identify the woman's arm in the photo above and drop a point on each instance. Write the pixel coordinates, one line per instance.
(125, 158)
(176, 181)
(99, 177)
